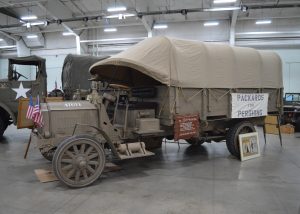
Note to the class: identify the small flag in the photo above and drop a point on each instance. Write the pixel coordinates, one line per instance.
(29, 113)
(37, 114)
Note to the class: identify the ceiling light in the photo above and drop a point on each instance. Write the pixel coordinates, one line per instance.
(1, 40)
(263, 22)
(29, 17)
(223, 1)
(38, 23)
(110, 29)
(68, 34)
(129, 15)
(112, 40)
(259, 32)
(112, 16)
(221, 9)
(208, 24)
(31, 36)
(116, 9)
(160, 26)
(8, 46)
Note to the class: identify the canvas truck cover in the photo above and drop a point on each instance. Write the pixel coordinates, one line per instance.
(75, 71)
(191, 64)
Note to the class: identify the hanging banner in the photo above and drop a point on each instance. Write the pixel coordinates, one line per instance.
(249, 105)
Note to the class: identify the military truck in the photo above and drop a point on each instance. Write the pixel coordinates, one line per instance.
(160, 88)
(26, 75)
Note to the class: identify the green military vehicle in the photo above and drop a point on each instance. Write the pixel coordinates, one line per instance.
(26, 75)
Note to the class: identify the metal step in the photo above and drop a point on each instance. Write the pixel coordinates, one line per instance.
(133, 150)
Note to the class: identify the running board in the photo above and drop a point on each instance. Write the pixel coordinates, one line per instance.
(133, 150)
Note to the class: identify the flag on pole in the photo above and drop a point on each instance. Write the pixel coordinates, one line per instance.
(29, 113)
(37, 114)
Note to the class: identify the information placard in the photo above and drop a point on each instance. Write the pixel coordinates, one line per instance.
(249, 105)
(186, 126)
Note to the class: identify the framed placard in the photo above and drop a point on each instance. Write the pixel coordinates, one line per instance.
(249, 146)
(186, 126)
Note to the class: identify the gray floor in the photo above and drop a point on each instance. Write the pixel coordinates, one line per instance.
(203, 180)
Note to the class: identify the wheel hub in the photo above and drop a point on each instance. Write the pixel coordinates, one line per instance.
(81, 162)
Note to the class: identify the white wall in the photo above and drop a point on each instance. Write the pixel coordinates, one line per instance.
(57, 47)
(291, 69)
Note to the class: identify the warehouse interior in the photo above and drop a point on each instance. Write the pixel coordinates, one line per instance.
(179, 178)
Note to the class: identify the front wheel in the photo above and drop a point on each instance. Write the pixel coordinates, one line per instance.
(3, 126)
(232, 137)
(79, 161)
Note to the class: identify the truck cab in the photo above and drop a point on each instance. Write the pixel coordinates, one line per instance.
(26, 76)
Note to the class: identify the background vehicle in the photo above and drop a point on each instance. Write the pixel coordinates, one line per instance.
(291, 110)
(151, 84)
(23, 72)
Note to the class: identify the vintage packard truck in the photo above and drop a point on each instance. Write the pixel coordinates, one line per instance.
(160, 88)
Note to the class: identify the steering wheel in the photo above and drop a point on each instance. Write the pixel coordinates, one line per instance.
(17, 75)
(119, 86)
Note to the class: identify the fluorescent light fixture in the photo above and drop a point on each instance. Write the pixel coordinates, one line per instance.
(112, 40)
(223, 1)
(263, 22)
(259, 32)
(8, 46)
(112, 16)
(1, 40)
(208, 24)
(129, 15)
(116, 9)
(221, 9)
(110, 29)
(37, 23)
(120, 16)
(160, 26)
(32, 36)
(68, 34)
(32, 17)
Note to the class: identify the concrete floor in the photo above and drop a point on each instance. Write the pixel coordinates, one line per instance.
(190, 180)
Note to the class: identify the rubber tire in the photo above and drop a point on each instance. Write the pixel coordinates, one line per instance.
(297, 125)
(65, 143)
(195, 141)
(3, 126)
(232, 137)
(48, 155)
(153, 143)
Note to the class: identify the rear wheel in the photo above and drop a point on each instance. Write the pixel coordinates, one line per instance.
(3, 126)
(79, 161)
(195, 141)
(232, 137)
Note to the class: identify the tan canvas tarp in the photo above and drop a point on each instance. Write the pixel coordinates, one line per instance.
(192, 64)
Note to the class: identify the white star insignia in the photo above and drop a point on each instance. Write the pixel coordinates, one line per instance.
(21, 92)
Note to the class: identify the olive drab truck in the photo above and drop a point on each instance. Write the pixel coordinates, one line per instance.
(26, 75)
(160, 88)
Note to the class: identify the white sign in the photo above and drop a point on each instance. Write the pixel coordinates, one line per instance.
(249, 105)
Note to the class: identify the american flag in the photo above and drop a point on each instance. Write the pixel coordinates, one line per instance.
(29, 114)
(37, 114)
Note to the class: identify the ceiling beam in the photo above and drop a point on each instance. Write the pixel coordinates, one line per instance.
(234, 17)
(147, 22)
(57, 11)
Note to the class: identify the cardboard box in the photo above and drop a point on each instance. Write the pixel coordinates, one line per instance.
(287, 129)
(271, 129)
(271, 120)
